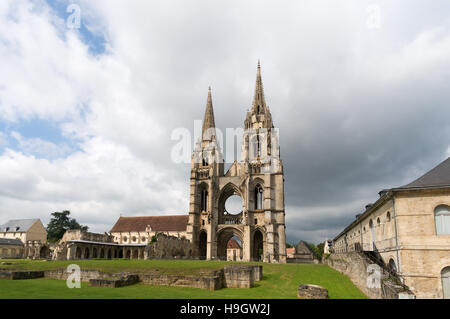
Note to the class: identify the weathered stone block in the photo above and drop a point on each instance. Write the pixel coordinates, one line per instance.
(312, 292)
(257, 272)
(239, 276)
(115, 282)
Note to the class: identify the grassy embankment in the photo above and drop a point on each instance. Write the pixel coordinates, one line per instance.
(279, 281)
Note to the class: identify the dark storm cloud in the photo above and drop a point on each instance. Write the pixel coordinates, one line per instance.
(358, 109)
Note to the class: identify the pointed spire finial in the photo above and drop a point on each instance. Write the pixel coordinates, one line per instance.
(259, 102)
(208, 119)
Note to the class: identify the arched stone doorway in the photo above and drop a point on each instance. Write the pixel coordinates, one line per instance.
(128, 254)
(45, 252)
(109, 254)
(202, 244)
(78, 253)
(135, 254)
(86, 253)
(120, 253)
(94, 252)
(257, 246)
(223, 237)
(102, 253)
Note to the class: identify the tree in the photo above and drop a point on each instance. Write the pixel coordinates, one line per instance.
(318, 250)
(61, 222)
(288, 245)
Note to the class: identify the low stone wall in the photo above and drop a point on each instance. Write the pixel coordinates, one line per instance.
(301, 261)
(85, 274)
(210, 283)
(235, 276)
(122, 281)
(20, 275)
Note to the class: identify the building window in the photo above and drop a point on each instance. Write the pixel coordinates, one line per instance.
(203, 222)
(204, 201)
(445, 275)
(125, 238)
(256, 221)
(258, 197)
(143, 239)
(442, 220)
(388, 217)
(392, 265)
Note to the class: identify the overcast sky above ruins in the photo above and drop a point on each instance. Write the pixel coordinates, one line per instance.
(359, 91)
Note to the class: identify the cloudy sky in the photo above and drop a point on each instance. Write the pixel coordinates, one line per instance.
(359, 91)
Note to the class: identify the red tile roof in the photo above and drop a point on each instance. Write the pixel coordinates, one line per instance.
(157, 223)
(290, 251)
(233, 244)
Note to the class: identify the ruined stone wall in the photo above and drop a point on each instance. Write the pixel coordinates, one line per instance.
(168, 247)
(77, 234)
(235, 276)
(356, 267)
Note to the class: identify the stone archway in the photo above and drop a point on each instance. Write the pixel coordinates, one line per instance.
(223, 237)
(86, 253)
(225, 217)
(45, 252)
(94, 252)
(257, 246)
(78, 253)
(202, 245)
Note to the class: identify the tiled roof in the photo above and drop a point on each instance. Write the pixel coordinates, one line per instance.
(438, 176)
(17, 225)
(233, 244)
(290, 251)
(7, 241)
(157, 223)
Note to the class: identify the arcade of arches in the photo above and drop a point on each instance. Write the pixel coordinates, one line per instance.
(91, 250)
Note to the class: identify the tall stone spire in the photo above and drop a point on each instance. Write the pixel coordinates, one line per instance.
(259, 102)
(259, 115)
(208, 119)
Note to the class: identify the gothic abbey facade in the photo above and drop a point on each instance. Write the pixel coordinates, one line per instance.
(257, 178)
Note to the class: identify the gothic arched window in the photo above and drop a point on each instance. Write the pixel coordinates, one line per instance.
(256, 146)
(204, 201)
(442, 220)
(204, 160)
(258, 197)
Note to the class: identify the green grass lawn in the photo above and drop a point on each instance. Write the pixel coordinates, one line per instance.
(279, 281)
